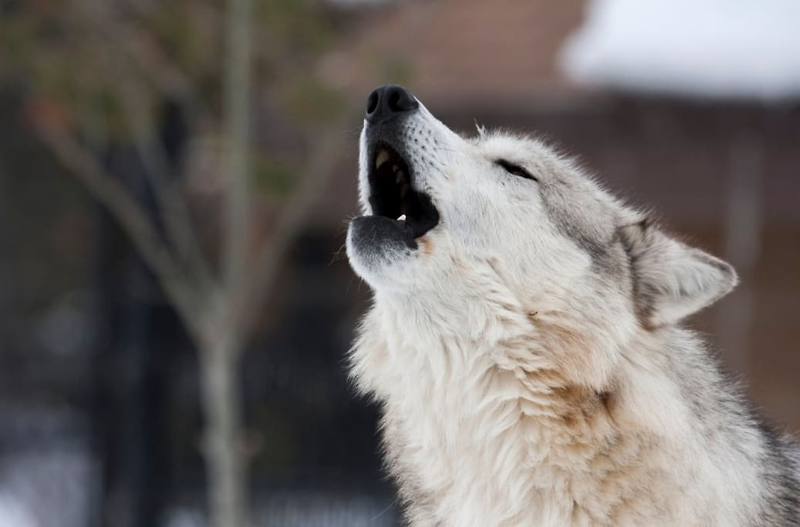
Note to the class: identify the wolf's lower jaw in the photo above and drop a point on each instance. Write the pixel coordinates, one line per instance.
(493, 428)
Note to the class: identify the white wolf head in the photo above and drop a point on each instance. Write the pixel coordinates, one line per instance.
(457, 223)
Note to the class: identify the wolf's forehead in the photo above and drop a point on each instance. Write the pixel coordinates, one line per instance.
(505, 144)
(574, 203)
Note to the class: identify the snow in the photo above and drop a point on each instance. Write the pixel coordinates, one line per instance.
(45, 488)
(15, 514)
(698, 48)
(303, 508)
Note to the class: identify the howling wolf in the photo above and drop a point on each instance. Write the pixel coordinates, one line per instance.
(525, 346)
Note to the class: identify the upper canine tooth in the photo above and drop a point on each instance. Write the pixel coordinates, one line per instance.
(383, 157)
(402, 217)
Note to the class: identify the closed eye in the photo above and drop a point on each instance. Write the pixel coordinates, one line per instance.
(516, 170)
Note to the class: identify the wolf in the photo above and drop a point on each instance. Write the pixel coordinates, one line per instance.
(525, 345)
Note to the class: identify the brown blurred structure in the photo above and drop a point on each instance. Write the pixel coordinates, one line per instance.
(724, 175)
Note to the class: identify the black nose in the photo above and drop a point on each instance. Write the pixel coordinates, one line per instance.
(389, 101)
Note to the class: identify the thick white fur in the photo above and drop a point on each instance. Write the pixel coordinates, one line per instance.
(521, 383)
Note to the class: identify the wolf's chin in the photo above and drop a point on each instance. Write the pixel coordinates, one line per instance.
(377, 248)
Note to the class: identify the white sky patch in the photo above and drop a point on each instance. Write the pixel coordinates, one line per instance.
(706, 48)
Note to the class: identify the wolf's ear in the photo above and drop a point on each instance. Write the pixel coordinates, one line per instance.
(671, 280)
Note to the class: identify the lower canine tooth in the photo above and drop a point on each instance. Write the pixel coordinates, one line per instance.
(402, 217)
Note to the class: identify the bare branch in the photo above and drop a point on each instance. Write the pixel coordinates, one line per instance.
(137, 112)
(171, 201)
(273, 252)
(182, 293)
(139, 47)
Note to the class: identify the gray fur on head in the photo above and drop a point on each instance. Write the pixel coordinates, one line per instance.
(671, 280)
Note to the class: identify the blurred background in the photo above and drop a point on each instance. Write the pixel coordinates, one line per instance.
(175, 180)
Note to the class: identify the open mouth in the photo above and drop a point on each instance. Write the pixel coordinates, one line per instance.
(392, 194)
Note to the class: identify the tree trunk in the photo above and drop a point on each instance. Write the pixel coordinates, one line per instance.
(224, 465)
(219, 361)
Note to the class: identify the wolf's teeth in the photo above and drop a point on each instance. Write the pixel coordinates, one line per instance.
(402, 217)
(383, 157)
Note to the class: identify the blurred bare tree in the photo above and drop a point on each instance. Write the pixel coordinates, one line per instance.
(96, 74)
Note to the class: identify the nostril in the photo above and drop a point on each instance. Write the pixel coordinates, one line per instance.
(394, 101)
(399, 100)
(372, 102)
